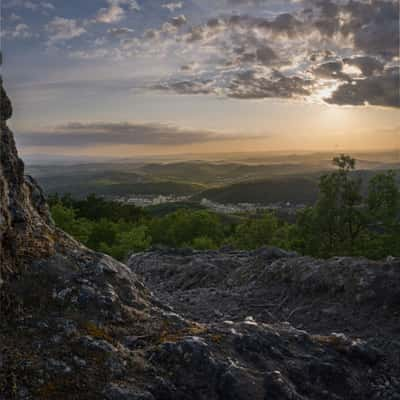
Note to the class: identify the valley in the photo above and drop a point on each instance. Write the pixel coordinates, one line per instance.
(246, 182)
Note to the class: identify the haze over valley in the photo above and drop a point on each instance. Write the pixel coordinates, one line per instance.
(259, 179)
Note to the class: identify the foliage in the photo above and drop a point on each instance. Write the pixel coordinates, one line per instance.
(183, 227)
(203, 243)
(336, 221)
(96, 208)
(344, 221)
(65, 218)
(254, 233)
(384, 199)
(134, 240)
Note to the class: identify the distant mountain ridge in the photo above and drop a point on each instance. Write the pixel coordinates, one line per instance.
(224, 181)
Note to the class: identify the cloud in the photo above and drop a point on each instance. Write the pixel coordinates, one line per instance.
(187, 87)
(367, 65)
(20, 31)
(30, 5)
(375, 26)
(14, 17)
(248, 49)
(248, 85)
(61, 29)
(173, 6)
(178, 21)
(321, 45)
(120, 31)
(243, 85)
(115, 11)
(380, 90)
(260, 2)
(76, 134)
(331, 70)
(189, 67)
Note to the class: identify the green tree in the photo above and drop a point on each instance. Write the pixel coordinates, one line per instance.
(257, 232)
(183, 226)
(65, 219)
(134, 240)
(103, 233)
(384, 199)
(203, 243)
(384, 215)
(337, 221)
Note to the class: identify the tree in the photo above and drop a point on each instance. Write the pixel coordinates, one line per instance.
(203, 243)
(65, 219)
(134, 240)
(103, 233)
(333, 226)
(384, 215)
(183, 226)
(259, 232)
(384, 199)
(304, 236)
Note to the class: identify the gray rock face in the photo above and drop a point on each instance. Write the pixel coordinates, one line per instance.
(5, 104)
(260, 289)
(273, 285)
(75, 324)
(26, 230)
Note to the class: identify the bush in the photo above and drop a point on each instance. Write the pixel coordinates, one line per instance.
(203, 243)
(254, 233)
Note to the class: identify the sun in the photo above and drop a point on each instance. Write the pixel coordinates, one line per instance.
(323, 90)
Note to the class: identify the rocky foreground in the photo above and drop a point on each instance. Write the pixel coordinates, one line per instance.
(75, 324)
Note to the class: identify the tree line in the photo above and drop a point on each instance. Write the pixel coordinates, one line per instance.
(345, 221)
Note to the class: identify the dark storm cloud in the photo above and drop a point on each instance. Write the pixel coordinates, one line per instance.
(187, 87)
(373, 25)
(258, 53)
(265, 55)
(367, 65)
(290, 54)
(331, 70)
(248, 85)
(97, 134)
(382, 90)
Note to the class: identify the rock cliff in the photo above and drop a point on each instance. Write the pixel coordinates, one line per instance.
(75, 324)
(25, 224)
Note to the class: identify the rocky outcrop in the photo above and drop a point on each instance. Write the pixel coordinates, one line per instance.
(75, 324)
(25, 225)
(274, 287)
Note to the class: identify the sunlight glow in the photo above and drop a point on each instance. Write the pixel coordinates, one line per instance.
(324, 89)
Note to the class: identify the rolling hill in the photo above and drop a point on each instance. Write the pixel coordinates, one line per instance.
(292, 189)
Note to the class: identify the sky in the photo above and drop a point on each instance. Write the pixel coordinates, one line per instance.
(121, 78)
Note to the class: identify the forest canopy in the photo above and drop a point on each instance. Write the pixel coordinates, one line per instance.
(345, 221)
